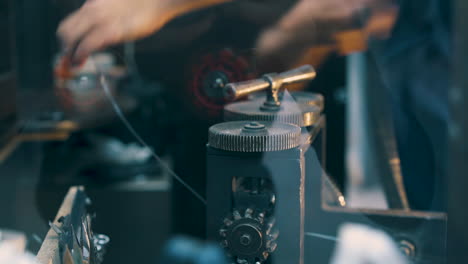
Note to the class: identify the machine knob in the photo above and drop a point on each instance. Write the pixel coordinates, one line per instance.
(253, 136)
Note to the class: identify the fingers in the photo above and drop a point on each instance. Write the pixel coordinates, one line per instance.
(98, 38)
(90, 28)
(73, 28)
(102, 23)
(308, 23)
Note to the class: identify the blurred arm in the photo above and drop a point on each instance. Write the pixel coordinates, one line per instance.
(100, 23)
(342, 26)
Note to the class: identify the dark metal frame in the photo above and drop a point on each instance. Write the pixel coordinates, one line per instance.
(457, 178)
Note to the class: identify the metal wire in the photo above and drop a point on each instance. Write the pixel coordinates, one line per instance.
(105, 86)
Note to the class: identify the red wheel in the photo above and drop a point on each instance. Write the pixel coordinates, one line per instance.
(209, 74)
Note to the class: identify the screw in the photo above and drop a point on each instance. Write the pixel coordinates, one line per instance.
(245, 240)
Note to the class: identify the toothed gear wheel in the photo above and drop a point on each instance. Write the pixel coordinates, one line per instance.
(252, 136)
(249, 238)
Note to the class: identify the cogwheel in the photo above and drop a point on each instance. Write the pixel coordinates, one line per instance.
(248, 136)
(248, 238)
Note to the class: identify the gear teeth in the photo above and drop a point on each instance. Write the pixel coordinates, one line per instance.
(242, 261)
(248, 212)
(251, 261)
(261, 222)
(232, 136)
(224, 243)
(272, 247)
(273, 198)
(290, 113)
(273, 235)
(270, 226)
(223, 232)
(261, 218)
(237, 215)
(227, 222)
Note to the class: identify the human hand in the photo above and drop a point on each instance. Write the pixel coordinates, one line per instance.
(339, 25)
(99, 23)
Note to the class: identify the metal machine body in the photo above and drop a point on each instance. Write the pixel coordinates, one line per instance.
(421, 236)
(313, 204)
(256, 187)
(247, 219)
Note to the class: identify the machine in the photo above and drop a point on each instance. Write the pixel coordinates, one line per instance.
(267, 195)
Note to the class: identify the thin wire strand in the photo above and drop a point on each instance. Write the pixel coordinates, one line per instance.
(118, 111)
(322, 236)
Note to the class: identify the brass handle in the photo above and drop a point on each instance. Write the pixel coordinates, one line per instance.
(233, 91)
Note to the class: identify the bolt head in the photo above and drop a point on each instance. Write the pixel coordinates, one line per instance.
(245, 240)
(253, 127)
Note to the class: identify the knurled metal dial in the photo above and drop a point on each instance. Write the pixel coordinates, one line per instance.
(301, 97)
(309, 98)
(254, 136)
(290, 112)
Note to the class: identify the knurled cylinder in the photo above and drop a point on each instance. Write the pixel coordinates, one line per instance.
(309, 98)
(290, 112)
(300, 97)
(248, 136)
